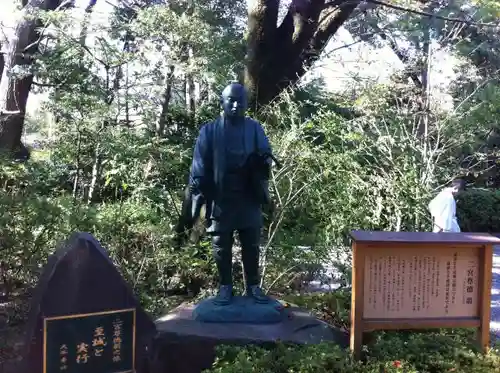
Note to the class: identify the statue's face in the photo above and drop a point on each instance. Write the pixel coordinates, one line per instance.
(234, 100)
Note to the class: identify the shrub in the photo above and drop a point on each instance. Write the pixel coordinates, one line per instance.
(436, 351)
(478, 210)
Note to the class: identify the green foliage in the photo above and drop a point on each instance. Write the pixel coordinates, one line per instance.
(478, 210)
(402, 353)
(136, 234)
(370, 172)
(334, 308)
(216, 37)
(436, 351)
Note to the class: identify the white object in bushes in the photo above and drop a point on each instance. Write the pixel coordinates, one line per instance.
(443, 211)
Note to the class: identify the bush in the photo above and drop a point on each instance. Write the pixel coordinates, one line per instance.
(393, 352)
(478, 210)
(35, 217)
(436, 351)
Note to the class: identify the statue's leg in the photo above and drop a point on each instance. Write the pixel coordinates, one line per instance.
(222, 245)
(250, 239)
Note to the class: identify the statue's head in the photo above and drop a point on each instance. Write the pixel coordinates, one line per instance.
(234, 100)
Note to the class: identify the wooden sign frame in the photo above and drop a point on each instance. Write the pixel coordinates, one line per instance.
(366, 243)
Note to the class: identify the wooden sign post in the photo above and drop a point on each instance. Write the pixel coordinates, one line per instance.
(420, 280)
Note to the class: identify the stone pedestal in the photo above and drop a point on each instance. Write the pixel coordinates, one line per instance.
(186, 345)
(242, 310)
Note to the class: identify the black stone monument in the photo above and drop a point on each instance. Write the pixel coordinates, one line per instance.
(84, 316)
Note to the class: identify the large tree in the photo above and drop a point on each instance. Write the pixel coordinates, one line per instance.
(278, 56)
(16, 79)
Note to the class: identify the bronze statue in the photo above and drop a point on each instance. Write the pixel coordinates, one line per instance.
(229, 175)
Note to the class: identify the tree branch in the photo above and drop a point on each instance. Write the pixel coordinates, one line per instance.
(90, 6)
(278, 56)
(331, 19)
(41, 33)
(399, 53)
(301, 21)
(427, 14)
(262, 20)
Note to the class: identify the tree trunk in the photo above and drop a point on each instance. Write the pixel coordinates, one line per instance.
(204, 88)
(127, 95)
(425, 77)
(86, 21)
(190, 94)
(426, 62)
(279, 56)
(167, 96)
(78, 164)
(96, 175)
(14, 91)
(401, 54)
(2, 61)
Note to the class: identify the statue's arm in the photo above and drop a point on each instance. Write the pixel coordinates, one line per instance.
(263, 141)
(199, 165)
(265, 148)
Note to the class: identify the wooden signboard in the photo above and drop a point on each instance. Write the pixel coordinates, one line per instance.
(102, 342)
(420, 280)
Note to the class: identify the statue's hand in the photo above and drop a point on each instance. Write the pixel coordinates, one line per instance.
(197, 203)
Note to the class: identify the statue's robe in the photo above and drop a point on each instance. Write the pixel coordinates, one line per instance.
(216, 179)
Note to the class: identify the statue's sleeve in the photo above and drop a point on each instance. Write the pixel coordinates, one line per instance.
(263, 141)
(199, 165)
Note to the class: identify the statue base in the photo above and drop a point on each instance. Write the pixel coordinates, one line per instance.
(186, 345)
(242, 309)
